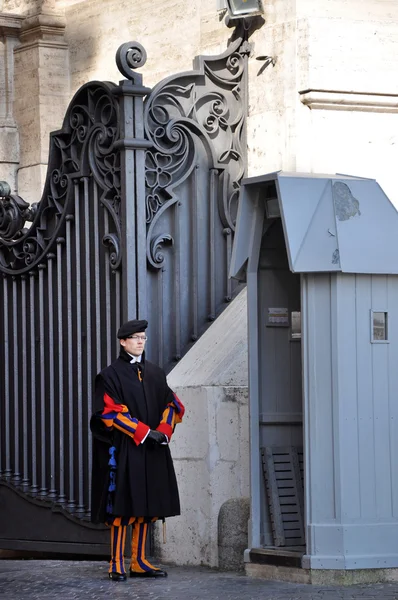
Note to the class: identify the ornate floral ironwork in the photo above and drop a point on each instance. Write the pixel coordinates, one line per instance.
(82, 147)
(187, 152)
(204, 108)
(14, 212)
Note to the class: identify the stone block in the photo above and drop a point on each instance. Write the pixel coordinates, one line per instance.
(227, 428)
(232, 533)
(274, 573)
(244, 450)
(213, 33)
(224, 483)
(25, 61)
(279, 11)
(321, 577)
(370, 65)
(188, 538)
(8, 173)
(370, 148)
(31, 182)
(227, 364)
(8, 144)
(351, 9)
(265, 130)
(208, 450)
(191, 437)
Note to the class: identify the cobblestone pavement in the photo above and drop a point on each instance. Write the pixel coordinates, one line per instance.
(69, 580)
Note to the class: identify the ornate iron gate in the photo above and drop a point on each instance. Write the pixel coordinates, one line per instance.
(136, 220)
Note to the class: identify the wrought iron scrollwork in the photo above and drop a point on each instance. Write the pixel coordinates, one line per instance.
(14, 212)
(205, 107)
(130, 56)
(83, 146)
(157, 256)
(112, 242)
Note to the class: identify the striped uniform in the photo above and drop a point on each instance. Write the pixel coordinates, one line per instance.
(117, 416)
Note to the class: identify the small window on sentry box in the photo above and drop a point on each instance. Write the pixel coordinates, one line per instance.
(379, 326)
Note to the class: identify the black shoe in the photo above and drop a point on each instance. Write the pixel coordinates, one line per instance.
(118, 576)
(151, 573)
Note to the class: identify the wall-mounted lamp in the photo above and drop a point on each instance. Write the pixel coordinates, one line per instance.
(244, 8)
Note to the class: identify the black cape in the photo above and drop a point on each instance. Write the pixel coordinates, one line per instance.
(146, 484)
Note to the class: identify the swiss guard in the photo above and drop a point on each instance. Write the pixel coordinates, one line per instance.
(133, 478)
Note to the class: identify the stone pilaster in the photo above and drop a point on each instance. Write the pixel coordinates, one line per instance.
(10, 26)
(41, 95)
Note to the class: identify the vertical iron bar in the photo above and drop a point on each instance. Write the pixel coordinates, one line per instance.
(117, 306)
(7, 471)
(132, 147)
(89, 351)
(34, 487)
(78, 348)
(227, 232)
(71, 491)
(2, 397)
(139, 195)
(195, 254)
(107, 295)
(43, 429)
(212, 208)
(24, 358)
(61, 433)
(97, 279)
(177, 283)
(160, 316)
(51, 359)
(16, 476)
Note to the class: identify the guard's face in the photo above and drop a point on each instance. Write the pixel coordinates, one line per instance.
(135, 343)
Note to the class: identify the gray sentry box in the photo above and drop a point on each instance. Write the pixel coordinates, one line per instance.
(320, 257)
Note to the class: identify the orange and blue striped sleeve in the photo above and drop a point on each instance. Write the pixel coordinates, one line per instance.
(172, 414)
(117, 415)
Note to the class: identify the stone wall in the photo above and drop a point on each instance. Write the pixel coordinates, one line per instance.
(329, 104)
(211, 447)
(172, 32)
(10, 26)
(211, 458)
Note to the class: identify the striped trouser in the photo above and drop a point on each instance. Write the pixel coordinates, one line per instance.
(138, 562)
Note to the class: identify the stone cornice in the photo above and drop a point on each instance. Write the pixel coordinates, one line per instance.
(10, 25)
(40, 44)
(348, 100)
(44, 27)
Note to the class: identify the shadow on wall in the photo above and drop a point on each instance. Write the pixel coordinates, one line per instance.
(83, 41)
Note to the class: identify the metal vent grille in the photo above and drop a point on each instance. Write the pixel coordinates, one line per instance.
(284, 477)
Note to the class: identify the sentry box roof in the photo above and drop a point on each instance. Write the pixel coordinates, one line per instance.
(330, 222)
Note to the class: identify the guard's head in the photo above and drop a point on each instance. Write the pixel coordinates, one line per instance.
(131, 327)
(132, 336)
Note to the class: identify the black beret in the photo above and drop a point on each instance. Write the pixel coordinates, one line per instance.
(131, 327)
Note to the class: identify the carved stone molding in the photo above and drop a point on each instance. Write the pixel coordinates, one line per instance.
(10, 25)
(44, 30)
(348, 100)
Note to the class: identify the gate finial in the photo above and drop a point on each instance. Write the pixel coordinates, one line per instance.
(130, 56)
